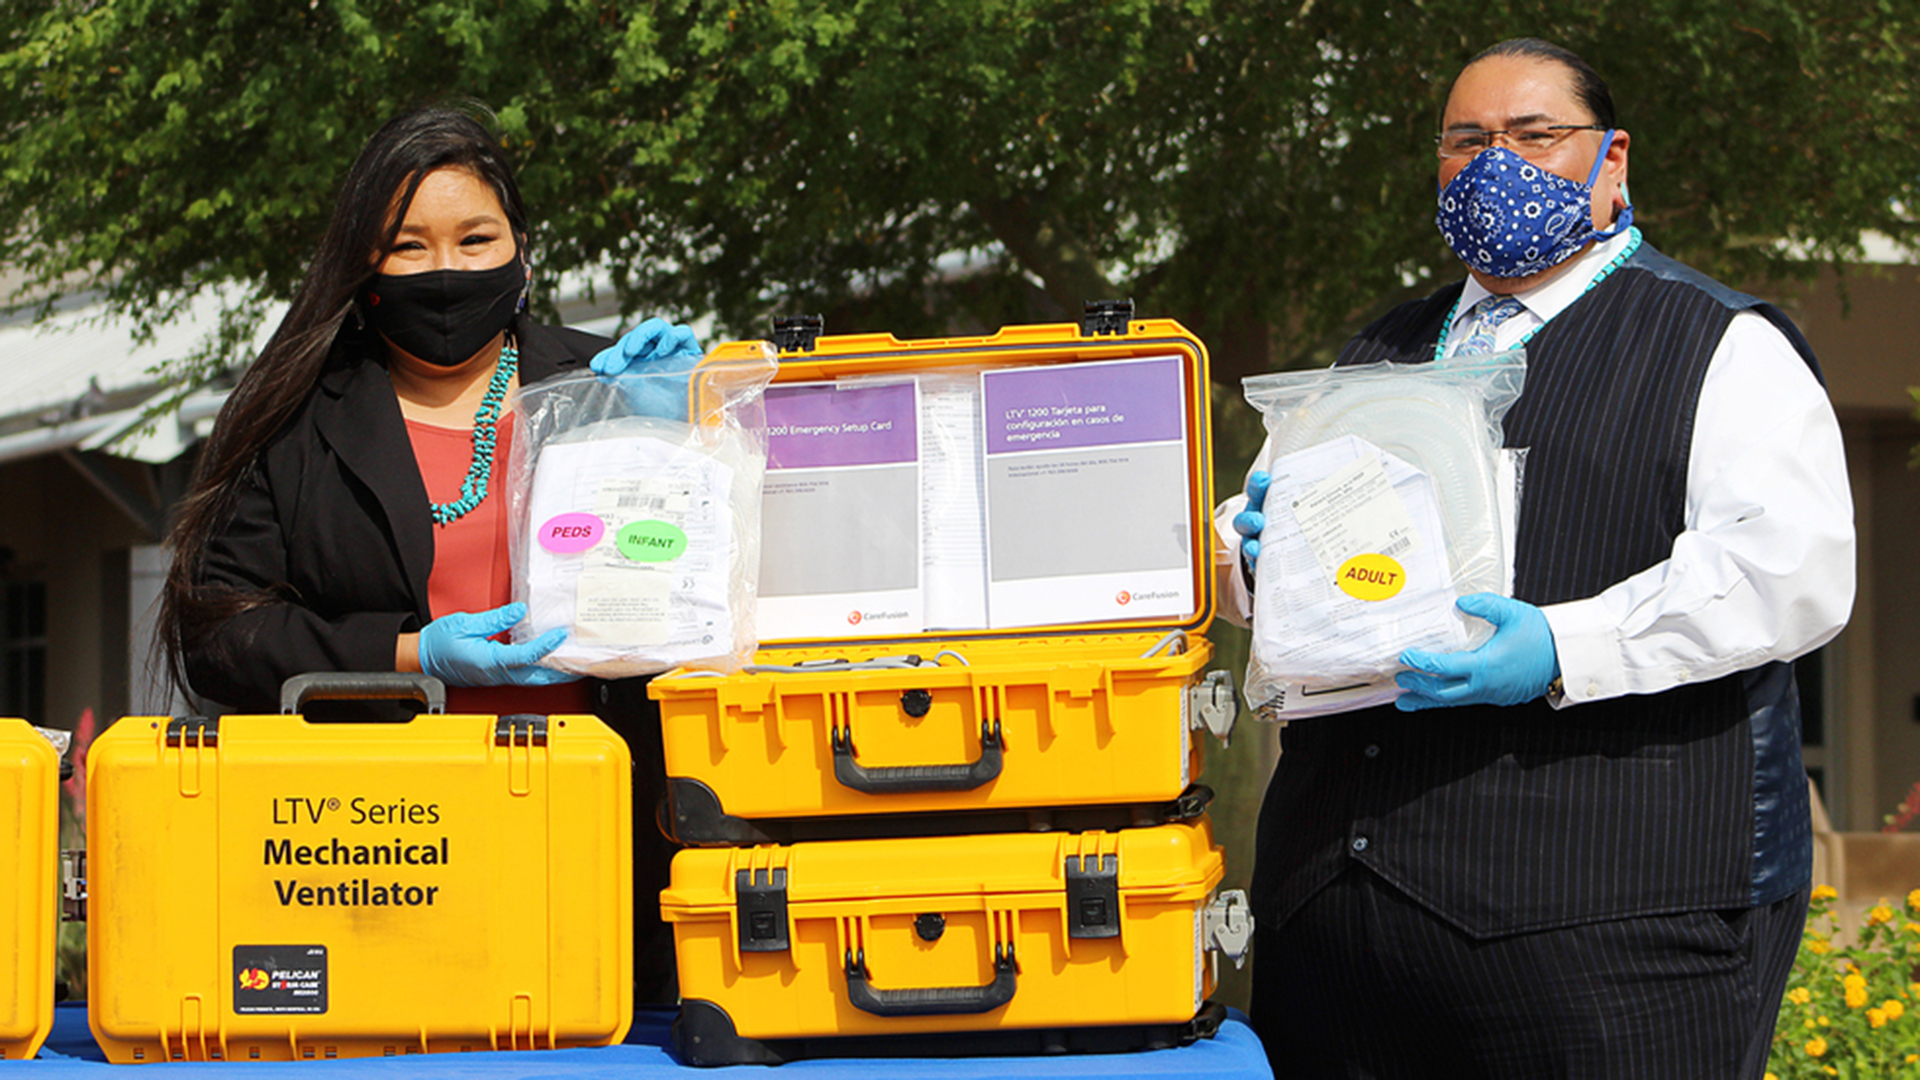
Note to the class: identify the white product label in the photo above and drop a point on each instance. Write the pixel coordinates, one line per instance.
(1355, 511)
(626, 605)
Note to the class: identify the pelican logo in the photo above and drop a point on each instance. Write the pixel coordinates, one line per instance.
(853, 618)
(1124, 598)
(286, 979)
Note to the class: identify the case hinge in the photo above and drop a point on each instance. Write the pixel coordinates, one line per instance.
(1106, 317)
(1093, 896)
(1214, 707)
(193, 731)
(760, 903)
(797, 333)
(73, 885)
(520, 729)
(1228, 926)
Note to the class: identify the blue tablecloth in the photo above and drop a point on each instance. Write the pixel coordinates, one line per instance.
(1232, 1054)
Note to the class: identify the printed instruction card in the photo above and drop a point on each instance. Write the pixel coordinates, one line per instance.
(1088, 492)
(840, 511)
(970, 500)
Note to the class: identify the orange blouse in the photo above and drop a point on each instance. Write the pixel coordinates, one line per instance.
(472, 568)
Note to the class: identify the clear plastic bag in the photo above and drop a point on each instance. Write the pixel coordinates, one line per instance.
(639, 533)
(1386, 506)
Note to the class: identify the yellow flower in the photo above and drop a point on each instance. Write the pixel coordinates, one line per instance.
(1799, 995)
(1912, 928)
(1830, 1070)
(1827, 892)
(1824, 1022)
(1913, 1059)
(1876, 1018)
(1878, 914)
(1913, 900)
(1810, 1024)
(1893, 1009)
(1855, 987)
(1816, 1046)
(1818, 948)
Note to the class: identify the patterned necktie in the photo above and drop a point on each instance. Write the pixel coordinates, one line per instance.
(1487, 315)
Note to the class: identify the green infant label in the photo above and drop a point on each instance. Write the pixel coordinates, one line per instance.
(652, 541)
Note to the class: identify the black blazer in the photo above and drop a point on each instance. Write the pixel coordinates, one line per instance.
(334, 520)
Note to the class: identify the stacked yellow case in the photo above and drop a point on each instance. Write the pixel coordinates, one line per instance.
(959, 841)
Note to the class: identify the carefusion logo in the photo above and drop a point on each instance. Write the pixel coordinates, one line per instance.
(855, 618)
(1123, 598)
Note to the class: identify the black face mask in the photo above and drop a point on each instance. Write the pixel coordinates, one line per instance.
(445, 316)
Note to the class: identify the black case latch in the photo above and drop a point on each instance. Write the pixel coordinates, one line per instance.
(760, 902)
(520, 729)
(797, 333)
(1093, 896)
(1106, 317)
(193, 731)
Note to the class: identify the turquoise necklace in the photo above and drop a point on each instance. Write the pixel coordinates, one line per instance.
(486, 422)
(1446, 328)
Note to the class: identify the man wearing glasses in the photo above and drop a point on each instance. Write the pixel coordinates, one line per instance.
(1582, 849)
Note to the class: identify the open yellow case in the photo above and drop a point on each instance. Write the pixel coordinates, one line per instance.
(1078, 681)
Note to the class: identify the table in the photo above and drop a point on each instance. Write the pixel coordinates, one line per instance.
(1233, 1054)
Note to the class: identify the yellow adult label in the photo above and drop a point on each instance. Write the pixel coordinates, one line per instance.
(1371, 577)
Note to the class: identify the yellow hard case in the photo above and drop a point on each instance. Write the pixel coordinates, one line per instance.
(1079, 715)
(29, 897)
(940, 934)
(267, 888)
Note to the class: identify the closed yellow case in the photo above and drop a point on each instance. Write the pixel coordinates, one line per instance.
(1082, 714)
(29, 895)
(940, 935)
(267, 888)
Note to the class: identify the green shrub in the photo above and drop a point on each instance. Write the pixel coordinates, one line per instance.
(1851, 1005)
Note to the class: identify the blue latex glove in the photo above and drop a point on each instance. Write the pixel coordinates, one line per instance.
(1515, 666)
(651, 362)
(1250, 521)
(459, 650)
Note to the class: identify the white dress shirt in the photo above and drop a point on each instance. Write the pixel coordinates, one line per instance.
(1765, 567)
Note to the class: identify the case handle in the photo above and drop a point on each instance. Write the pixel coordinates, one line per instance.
(908, 779)
(933, 1000)
(363, 686)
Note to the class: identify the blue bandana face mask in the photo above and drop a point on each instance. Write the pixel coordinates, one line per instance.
(1507, 217)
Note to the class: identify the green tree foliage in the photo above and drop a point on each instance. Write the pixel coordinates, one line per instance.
(1263, 171)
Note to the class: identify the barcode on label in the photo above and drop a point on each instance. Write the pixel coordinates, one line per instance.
(638, 501)
(1397, 546)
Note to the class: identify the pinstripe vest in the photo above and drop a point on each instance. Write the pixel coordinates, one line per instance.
(1501, 820)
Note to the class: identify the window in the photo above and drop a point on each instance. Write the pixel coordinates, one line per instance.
(23, 652)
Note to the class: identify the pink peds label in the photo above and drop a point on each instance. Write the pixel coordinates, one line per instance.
(565, 534)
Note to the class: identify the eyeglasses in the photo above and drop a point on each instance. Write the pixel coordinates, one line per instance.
(1529, 142)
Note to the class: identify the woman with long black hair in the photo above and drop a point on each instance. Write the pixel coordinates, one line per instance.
(347, 512)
